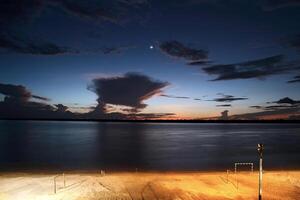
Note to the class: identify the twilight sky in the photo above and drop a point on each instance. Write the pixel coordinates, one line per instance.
(149, 59)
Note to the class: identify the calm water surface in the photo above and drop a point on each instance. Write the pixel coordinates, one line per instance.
(40, 145)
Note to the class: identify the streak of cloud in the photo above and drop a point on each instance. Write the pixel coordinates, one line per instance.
(258, 68)
(179, 50)
(173, 96)
(21, 44)
(296, 79)
(224, 105)
(228, 98)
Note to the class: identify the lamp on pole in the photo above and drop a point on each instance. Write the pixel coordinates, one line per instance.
(260, 148)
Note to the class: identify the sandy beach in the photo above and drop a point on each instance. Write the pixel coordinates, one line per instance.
(150, 185)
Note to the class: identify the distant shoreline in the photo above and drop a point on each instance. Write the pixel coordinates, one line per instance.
(163, 121)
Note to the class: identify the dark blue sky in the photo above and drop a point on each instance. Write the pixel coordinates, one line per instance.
(183, 59)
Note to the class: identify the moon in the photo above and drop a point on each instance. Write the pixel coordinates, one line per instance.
(151, 47)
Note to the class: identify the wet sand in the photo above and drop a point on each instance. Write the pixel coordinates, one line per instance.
(151, 185)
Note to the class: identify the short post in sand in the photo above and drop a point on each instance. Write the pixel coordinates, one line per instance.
(54, 184)
(260, 148)
(64, 180)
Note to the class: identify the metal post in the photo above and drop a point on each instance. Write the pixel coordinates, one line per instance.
(64, 180)
(227, 175)
(260, 178)
(260, 148)
(54, 184)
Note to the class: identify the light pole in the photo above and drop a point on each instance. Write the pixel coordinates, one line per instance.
(260, 148)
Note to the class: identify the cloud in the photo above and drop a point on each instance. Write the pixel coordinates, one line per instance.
(115, 11)
(224, 105)
(130, 90)
(94, 10)
(284, 108)
(283, 103)
(18, 93)
(61, 107)
(17, 12)
(179, 50)
(257, 107)
(269, 114)
(179, 97)
(270, 5)
(15, 16)
(21, 44)
(287, 100)
(116, 50)
(294, 41)
(17, 102)
(173, 96)
(258, 68)
(227, 98)
(201, 62)
(150, 115)
(296, 79)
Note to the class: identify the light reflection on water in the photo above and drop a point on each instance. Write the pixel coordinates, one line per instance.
(147, 146)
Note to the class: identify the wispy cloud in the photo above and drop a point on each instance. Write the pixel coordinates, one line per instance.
(287, 100)
(15, 16)
(115, 11)
(292, 41)
(116, 49)
(179, 50)
(227, 98)
(173, 96)
(283, 103)
(270, 5)
(21, 44)
(258, 68)
(296, 79)
(224, 105)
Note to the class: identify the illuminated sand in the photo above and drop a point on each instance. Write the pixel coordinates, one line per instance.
(138, 186)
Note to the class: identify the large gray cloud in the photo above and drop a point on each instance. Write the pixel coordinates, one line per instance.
(258, 68)
(131, 90)
(15, 15)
